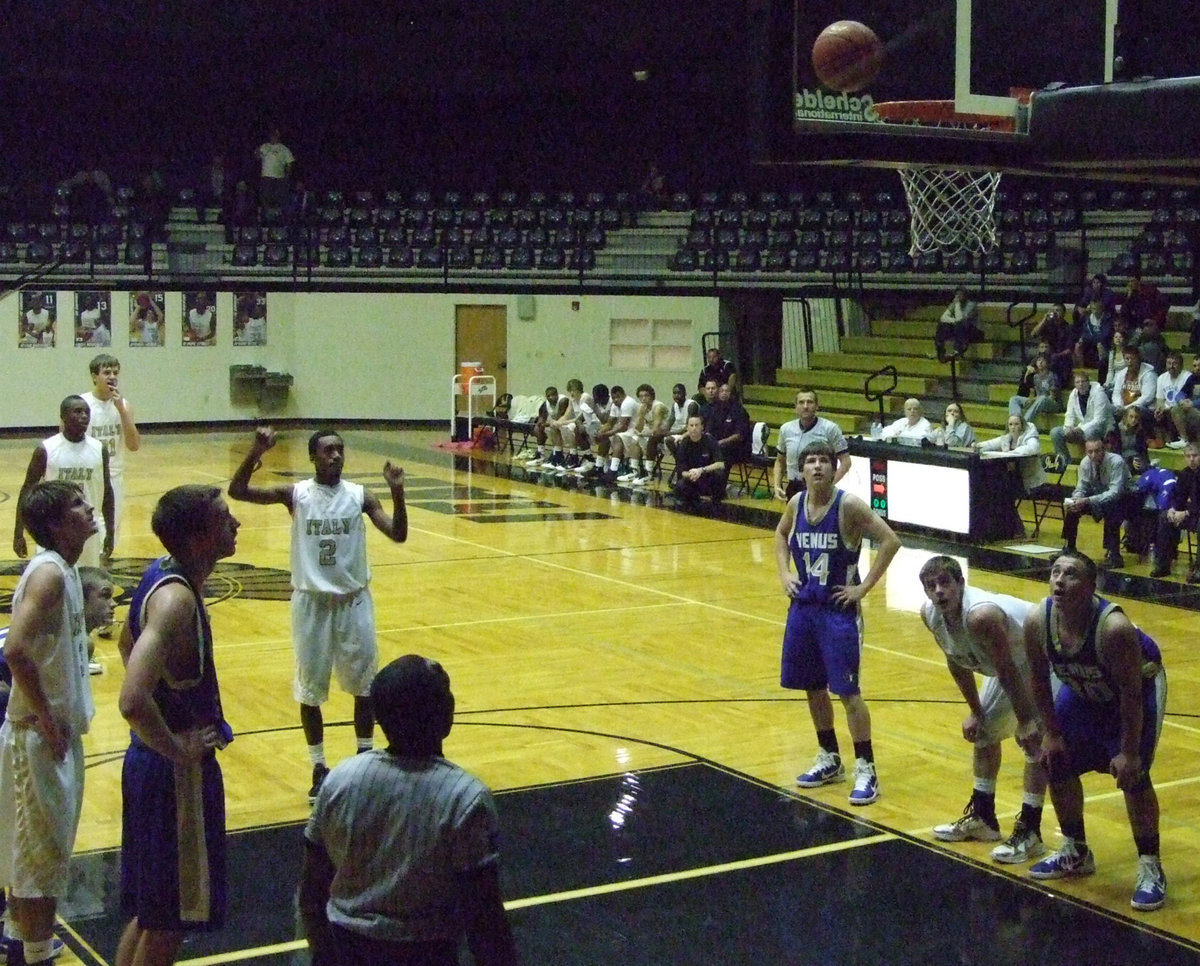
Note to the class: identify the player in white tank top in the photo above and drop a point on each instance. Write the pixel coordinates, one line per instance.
(981, 632)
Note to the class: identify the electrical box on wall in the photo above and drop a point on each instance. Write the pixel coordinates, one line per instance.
(526, 307)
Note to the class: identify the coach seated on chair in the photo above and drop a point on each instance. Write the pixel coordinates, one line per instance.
(729, 424)
(400, 856)
(699, 469)
(1182, 514)
(1105, 490)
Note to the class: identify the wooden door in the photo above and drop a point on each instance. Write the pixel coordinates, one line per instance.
(481, 335)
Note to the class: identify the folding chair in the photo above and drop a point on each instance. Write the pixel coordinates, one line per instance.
(1042, 499)
(755, 470)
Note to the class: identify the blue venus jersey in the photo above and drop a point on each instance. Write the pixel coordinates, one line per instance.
(822, 557)
(1082, 671)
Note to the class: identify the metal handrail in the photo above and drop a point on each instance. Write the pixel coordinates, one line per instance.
(878, 395)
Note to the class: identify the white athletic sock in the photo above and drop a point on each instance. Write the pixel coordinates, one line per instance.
(365, 744)
(985, 786)
(1032, 800)
(614, 464)
(38, 952)
(316, 753)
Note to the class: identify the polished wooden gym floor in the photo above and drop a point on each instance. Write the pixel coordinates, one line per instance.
(615, 665)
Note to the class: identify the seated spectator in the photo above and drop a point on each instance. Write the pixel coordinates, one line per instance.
(1152, 345)
(549, 410)
(719, 370)
(651, 418)
(1131, 432)
(1155, 489)
(1182, 514)
(1185, 414)
(1135, 386)
(912, 426)
(1022, 441)
(1038, 390)
(729, 424)
(621, 412)
(1096, 290)
(1173, 386)
(1093, 336)
(1088, 412)
(796, 434)
(1022, 445)
(706, 396)
(1054, 337)
(955, 430)
(1104, 490)
(1143, 301)
(681, 409)
(1115, 360)
(699, 470)
(959, 325)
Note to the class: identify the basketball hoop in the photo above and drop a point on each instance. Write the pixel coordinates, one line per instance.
(952, 209)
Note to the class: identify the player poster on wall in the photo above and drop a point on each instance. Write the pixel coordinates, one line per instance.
(250, 319)
(199, 318)
(37, 313)
(93, 318)
(146, 319)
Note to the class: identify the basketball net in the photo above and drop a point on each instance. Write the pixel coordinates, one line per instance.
(952, 209)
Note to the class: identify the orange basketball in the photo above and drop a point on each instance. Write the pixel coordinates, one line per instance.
(846, 56)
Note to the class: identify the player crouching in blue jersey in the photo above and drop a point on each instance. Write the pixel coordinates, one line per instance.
(821, 531)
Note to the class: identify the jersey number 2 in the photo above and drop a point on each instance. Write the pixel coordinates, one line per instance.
(327, 553)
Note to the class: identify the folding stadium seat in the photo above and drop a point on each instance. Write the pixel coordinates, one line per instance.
(277, 216)
(566, 199)
(1020, 263)
(1155, 263)
(745, 260)
(135, 252)
(853, 199)
(1186, 216)
(386, 216)
(739, 199)
(1061, 198)
(537, 199)
(1148, 198)
(838, 240)
(474, 218)
(867, 241)
(333, 198)
(8, 252)
(767, 200)
(16, 232)
(394, 197)
(928, 262)
(893, 239)
(869, 219)
(74, 252)
(779, 239)
(453, 236)
(366, 236)
(444, 217)
(869, 261)
(1012, 218)
(1118, 200)
(249, 235)
(506, 199)
(362, 198)
(684, 260)
(423, 237)
(245, 255)
(624, 201)
(421, 198)
(824, 200)
(796, 198)
(1182, 264)
(1147, 241)
(839, 218)
(537, 236)
(579, 218)
(703, 218)
(452, 200)
(783, 218)
(487, 235)
(883, 200)
(709, 199)
(807, 261)
(120, 213)
(330, 215)
(898, 262)
(552, 258)
(810, 241)
(491, 257)
(508, 237)
(432, 257)
(754, 238)
(610, 218)
(277, 254)
(395, 236)
(1029, 199)
(521, 257)
(895, 218)
(307, 256)
(810, 218)
(725, 238)
(958, 263)
(698, 238)
(337, 256)
(594, 200)
(991, 263)
(416, 217)
(1038, 241)
(79, 232)
(1089, 199)
(480, 199)
(1064, 219)
(1176, 241)
(526, 218)
(337, 236)
(369, 256)
(775, 260)
(360, 217)
(1162, 218)
(757, 218)
(61, 212)
(595, 238)
(1038, 219)
(49, 231)
(400, 256)
(136, 231)
(835, 261)
(553, 218)
(714, 260)
(730, 218)
(581, 260)
(460, 257)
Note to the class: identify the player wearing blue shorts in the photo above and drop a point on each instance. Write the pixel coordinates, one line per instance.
(1106, 718)
(173, 817)
(821, 532)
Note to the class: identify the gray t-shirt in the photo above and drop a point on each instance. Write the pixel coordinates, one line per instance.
(793, 438)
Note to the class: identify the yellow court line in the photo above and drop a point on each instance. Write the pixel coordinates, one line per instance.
(590, 891)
